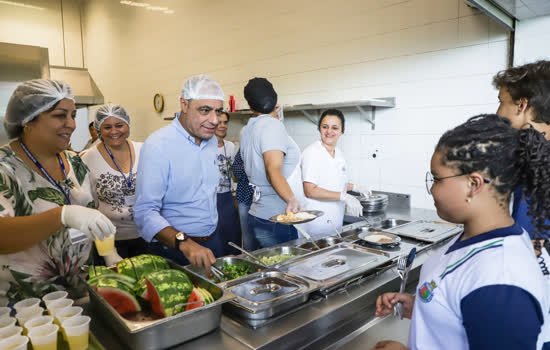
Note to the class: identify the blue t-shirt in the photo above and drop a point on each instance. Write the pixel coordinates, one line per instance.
(262, 134)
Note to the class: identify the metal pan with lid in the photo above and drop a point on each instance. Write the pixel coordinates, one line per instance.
(379, 238)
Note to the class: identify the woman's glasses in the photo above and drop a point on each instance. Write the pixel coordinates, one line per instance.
(430, 180)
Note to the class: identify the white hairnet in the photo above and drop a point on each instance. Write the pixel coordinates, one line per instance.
(32, 98)
(202, 87)
(110, 110)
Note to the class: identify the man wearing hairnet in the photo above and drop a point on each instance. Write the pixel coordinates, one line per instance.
(177, 178)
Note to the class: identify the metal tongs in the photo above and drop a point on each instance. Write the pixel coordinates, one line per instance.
(218, 273)
(404, 265)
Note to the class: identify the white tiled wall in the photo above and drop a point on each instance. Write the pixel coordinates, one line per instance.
(532, 38)
(437, 57)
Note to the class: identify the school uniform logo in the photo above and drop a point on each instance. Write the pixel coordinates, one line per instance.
(426, 291)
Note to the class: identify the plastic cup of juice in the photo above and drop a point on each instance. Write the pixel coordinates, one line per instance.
(7, 322)
(67, 313)
(18, 342)
(4, 312)
(27, 314)
(44, 337)
(58, 305)
(77, 331)
(26, 304)
(53, 296)
(9, 332)
(105, 247)
(37, 322)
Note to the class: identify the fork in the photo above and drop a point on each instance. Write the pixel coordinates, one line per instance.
(401, 267)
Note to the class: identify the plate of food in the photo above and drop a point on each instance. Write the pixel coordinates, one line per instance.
(379, 238)
(296, 218)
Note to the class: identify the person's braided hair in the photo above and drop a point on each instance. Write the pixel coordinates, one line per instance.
(507, 157)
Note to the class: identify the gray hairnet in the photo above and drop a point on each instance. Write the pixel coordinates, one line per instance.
(32, 98)
(202, 87)
(110, 110)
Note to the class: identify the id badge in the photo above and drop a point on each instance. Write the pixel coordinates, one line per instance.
(129, 201)
(76, 236)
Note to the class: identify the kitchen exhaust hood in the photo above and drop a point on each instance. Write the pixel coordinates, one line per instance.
(23, 62)
(84, 87)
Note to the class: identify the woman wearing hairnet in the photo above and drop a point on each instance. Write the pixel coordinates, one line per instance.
(45, 194)
(113, 164)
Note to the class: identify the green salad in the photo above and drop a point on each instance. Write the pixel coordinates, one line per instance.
(275, 259)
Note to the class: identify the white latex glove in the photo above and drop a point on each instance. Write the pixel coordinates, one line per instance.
(353, 206)
(112, 258)
(362, 189)
(293, 205)
(89, 221)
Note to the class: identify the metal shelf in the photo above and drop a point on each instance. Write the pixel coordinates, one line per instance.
(366, 108)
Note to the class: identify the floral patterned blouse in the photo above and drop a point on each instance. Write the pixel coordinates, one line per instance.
(55, 263)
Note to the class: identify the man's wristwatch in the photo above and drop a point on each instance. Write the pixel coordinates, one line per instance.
(180, 237)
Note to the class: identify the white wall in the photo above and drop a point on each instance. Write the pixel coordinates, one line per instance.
(437, 57)
(532, 38)
(52, 24)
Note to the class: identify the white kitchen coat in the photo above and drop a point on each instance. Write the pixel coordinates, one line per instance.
(321, 169)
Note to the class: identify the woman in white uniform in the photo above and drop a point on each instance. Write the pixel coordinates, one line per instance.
(326, 180)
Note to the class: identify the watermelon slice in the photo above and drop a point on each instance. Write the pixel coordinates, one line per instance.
(95, 271)
(196, 295)
(118, 295)
(206, 295)
(141, 265)
(166, 289)
(128, 281)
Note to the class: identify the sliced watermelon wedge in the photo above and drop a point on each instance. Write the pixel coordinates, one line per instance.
(118, 295)
(128, 281)
(166, 290)
(196, 295)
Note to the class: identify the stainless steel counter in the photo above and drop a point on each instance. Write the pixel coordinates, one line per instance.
(330, 322)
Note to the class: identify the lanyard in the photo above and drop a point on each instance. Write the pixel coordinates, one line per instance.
(46, 174)
(129, 179)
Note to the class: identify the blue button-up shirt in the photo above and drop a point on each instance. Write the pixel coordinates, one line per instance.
(176, 183)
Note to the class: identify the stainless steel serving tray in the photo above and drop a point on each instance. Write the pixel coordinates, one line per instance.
(266, 294)
(273, 251)
(165, 332)
(227, 259)
(426, 231)
(336, 265)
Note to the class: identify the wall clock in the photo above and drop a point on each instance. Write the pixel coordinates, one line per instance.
(158, 102)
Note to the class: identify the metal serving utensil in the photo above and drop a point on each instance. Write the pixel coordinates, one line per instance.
(334, 227)
(218, 273)
(307, 236)
(247, 254)
(408, 266)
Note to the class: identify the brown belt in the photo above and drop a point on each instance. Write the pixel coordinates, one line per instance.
(201, 239)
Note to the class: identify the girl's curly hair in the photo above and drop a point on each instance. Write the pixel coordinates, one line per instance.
(507, 157)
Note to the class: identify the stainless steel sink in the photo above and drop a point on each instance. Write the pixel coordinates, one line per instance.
(387, 328)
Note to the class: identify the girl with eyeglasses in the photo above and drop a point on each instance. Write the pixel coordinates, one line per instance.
(483, 289)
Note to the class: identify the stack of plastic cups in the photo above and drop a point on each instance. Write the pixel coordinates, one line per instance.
(44, 337)
(77, 330)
